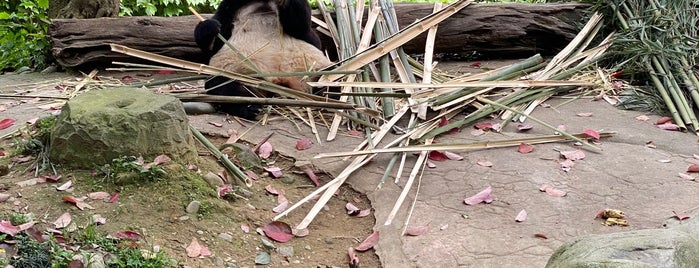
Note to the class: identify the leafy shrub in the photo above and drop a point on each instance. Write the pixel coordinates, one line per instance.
(23, 34)
(166, 8)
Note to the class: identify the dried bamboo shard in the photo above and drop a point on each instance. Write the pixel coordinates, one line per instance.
(395, 41)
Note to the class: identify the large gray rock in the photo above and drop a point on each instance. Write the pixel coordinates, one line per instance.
(676, 247)
(101, 125)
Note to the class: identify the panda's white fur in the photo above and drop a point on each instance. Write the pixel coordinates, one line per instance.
(258, 36)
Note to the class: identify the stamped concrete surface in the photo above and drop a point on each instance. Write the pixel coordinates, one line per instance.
(627, 175)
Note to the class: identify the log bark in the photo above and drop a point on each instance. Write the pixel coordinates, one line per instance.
(502, 30)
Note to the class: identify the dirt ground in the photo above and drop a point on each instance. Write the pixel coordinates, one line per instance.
(636, 171)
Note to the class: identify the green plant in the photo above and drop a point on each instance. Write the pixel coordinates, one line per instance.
(165, 7)
(23, 30)
(20, 218)
(31, 253)
(127, 168)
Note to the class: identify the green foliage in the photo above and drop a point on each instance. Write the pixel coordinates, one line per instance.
(165, 8)
(31, 254)
(128, 169)
(23, 34)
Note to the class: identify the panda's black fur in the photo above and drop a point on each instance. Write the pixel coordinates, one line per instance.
(275, 35)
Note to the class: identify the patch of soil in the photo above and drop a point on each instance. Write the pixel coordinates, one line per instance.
(157, 211)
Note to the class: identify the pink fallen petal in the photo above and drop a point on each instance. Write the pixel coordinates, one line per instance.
(437, 156)
(369, 242)
(485, 163)
(278, 231)
(524, 148)
(113, 198)
(128, 235)
(265, 150)
(552, 191)
(215, 124)
(353, 258)
(482, 196)
(4, 197)
(521, 216)
(680, 216)
(7, 227)
(65, 186)
(98, 195)
(686, 176)
(224, 190)
(352, 209)
(477, 132)
(567, 164)
(669, 126)
(281, 207)
(584, 114)
(251, 175)
(453, 156)
(363, 213)
(573, 155)
(430, 164)
(417, 230)
(161, 159)
(642, 118)
(300, 232)
(693, 168)
(245, 228)
(303, 144)
(98, 219)
(194, 249)
(270, 189)
(274, 171)
(522, 127)
(62, 221)
(663, 120)
(6, 122)
(592, 133)
(485, 126)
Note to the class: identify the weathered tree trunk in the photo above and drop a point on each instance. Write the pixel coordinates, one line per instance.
(87, 9)
(500, 29)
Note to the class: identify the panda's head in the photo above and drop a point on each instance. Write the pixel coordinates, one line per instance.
(259, 8)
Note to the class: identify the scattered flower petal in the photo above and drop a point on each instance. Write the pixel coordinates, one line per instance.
(369, 242)
(584, 114)
(278, 231)
(7, 227)
(303, 144)
(663, 120)
(274, 171)
(521, 216)
(693, 168)
(477, 132)
(482, 196)
(215, 124)
(98, 195)
(542, 236)
(686, 176)
(77, 202)
(523, 127)
(128, 235)
(669, 126)
(573, 155)
(113, 198)
(245, 227)
(591, 133)
(437, 156)
(430, 164)
(642, 117)
(525, 148)
(62, 221)
(265, 150)
(453, 156)
(353, 258)
(65, 186)
(6, 122)
(196, 250)
(417, 230)
(98, 219)
(485, 163)
(300, 232)
(680, 216)
(281, 207)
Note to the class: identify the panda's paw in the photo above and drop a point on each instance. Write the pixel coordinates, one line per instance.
(205, 33)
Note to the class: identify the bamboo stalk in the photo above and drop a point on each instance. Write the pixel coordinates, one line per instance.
(232, 168)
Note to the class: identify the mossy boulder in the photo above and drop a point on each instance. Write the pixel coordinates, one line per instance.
(101, 125)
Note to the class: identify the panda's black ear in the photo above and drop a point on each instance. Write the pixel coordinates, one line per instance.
(206, 34)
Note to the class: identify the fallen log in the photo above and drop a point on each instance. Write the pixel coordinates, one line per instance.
(493, 29)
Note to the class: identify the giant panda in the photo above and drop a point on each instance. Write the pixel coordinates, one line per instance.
(274, 35)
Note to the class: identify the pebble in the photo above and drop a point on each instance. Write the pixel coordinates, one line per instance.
(193, 207)
(226, 236)
(200, 232)
(286, 251)
(287, 179)
(328, 240)
(183, 218)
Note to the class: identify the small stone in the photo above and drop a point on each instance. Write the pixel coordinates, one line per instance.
(286, 251)
(307, 247)
(328, 240)
(193, 207)
(213, 180)
(226, 236)
(250, 206)
(200, 232)
(183, 218)
(218, 261)
(287, 179)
